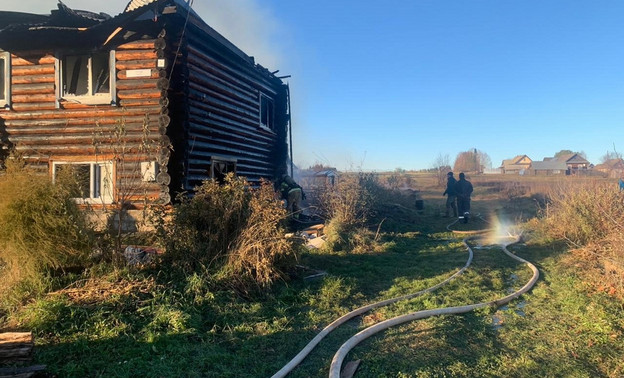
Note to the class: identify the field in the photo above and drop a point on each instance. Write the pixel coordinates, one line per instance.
(123, 321)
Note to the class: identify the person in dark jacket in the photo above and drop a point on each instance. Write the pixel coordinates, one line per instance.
(451, 200)
(463, 189)
(293, 194)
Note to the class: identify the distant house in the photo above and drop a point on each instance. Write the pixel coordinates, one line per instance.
(517, 165)
(156, 82)
(313, 179)
(575, 163)
(613, 168)
(547, 168)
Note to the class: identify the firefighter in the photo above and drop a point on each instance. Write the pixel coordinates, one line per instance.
(293, 194)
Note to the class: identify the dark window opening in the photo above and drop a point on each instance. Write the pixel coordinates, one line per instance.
(220, 168)
(86, 75)
(267, 111)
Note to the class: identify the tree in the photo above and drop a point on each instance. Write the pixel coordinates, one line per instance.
(610, 156)
(570, 152)
(441, 165)
(472, 160)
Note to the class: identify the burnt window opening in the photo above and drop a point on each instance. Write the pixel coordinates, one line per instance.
(219, 168)
(267, 112)
(87, 76)
(5, 79)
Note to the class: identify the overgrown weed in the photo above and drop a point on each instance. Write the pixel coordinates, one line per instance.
(43, 233)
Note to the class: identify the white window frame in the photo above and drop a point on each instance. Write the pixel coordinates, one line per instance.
(101, 183)
(90, 98)
(6, 78)
(270, 124)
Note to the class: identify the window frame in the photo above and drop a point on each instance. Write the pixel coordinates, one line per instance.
(95, 180)
(269, 125)
(6, 78)
(90, 98)
(220, 159)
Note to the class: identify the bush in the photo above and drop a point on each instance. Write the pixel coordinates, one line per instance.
(589, 218)
(230, 231)
(43, 229)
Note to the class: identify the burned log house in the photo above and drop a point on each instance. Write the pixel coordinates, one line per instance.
(145, 104)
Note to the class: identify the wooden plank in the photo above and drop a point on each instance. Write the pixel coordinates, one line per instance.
(21, 372)
(15, 337)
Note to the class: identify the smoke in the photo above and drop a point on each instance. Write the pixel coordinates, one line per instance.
(248, 24)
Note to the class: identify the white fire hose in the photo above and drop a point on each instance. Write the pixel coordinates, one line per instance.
(352, 342)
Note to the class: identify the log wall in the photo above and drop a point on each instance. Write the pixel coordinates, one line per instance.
(43, 129)
(223, 110)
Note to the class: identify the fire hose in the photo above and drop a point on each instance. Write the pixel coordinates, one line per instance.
(342, 352)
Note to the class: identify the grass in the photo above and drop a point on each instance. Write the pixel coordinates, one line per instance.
(127, 322)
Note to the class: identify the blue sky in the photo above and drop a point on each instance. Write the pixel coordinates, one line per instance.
(382, 85)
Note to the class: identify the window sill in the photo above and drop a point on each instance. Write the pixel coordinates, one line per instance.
(87, 100)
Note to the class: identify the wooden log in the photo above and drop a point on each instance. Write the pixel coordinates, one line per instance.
(137, 84)
(163, 178)
(135, 55)
(160, 44)
(37, 88)
(16, 346)
(144, 44)
(47, 69)
(142, 94)
(32, 61)
(29, 107)
(34, 98)
(135, 64)
(32, 79)
(163, 83)
(130, 102)
(94, 112)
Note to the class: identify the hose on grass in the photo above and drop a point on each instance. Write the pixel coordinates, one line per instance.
(336, 364)
(317, 339)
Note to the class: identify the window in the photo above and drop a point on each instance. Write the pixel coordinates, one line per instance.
(87, 78)
(219, 167)
(267, 111)
(5, 79)
(89, 182)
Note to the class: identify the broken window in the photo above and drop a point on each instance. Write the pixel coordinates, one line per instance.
(267, 111)
(5, 79)
(87, 77)
(219, 167)
(88, 182)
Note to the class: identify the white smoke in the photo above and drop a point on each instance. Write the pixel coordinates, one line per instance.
(248, 24)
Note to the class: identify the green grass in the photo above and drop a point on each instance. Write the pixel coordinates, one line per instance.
(127, 322)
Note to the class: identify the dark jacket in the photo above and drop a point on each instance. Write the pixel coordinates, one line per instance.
(450, 186)
(463, 188)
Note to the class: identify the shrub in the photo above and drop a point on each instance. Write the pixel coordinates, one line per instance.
(588, 217)
(43, 229)
(231, 231)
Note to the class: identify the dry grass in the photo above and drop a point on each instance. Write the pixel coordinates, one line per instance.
(42, 229)
(231, 231)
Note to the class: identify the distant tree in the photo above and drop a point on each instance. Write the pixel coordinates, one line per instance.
(472, 160)
(570, 152)
(441, 165)
(609, 155)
